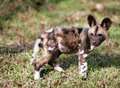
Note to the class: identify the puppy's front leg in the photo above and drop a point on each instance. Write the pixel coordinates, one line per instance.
(83, 68)
(38, 66)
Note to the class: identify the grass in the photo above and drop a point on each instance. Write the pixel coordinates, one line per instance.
(104, 63)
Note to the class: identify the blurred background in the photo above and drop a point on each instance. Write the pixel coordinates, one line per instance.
(20, 20)
(20, 24)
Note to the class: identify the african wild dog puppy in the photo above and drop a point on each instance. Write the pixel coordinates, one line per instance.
(69, 40)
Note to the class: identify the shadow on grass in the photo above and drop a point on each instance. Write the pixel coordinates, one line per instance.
(95, 61)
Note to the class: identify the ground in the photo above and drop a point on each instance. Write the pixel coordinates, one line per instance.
(24, 26)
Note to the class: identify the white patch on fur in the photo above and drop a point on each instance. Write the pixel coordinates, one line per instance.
(50, 48)
(83, 69)
(81, 52)
(50, 30)
(61, 47)
(85, 55)
(36, 75)
(58, 68)
(92, 47)
(35, 50)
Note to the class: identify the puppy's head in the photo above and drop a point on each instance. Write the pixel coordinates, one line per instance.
(97, 33)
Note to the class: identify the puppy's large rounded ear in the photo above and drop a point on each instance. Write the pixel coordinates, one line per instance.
(91, 20)
(106, 23)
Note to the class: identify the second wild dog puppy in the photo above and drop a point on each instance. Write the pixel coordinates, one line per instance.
(69, 40)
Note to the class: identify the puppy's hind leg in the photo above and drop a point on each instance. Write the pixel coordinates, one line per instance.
(38, 67)
(37, 74)
(35, 49)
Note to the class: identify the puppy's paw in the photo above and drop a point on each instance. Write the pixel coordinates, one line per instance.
(58, 68)
(36, 75)
(84, 75)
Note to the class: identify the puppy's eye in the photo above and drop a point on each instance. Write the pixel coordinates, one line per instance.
(100, 35)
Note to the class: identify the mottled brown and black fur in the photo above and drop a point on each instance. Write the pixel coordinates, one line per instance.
(72, 40)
